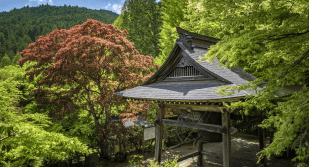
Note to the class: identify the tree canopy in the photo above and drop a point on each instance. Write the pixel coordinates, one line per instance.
(87, 64)
(28, 137)
(269, 40)
(142, 19)
(172, 16)
(20, 27)
(6, 61)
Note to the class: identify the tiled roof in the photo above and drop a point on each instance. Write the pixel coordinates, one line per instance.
(156, 88)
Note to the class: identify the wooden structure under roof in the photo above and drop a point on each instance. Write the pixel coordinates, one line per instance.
(186, 83)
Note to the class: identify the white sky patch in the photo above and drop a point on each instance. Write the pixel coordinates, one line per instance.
(117, 8)
(50, 2)
(107, 6)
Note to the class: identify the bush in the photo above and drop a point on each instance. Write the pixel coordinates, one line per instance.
(120, 156)
(168, 163)
(136, 160)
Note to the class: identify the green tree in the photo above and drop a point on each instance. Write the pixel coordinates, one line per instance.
(142, 19)
(6, 61)
(3, 49)
(26, 21)
(28, 138)
(16, 58)
(172, 16)
(87, 64)
(268, 39)
(119, 22)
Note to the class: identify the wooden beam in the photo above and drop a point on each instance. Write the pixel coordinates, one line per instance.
(211, 108)
(226, 140)
(190, 155)
(180, 144)
(193, 125)
(159, 133)
(234, 99)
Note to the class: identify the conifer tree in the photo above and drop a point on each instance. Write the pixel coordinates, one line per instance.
(6, 61)
(142, 19)
(16, 58)
(172, 16)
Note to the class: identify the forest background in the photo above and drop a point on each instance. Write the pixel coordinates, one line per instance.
(268, 39)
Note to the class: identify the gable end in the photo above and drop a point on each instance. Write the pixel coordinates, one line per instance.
(184, 70)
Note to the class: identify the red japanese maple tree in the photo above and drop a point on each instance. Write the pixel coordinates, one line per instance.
(95, 60)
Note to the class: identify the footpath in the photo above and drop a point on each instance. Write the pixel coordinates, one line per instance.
(244, 150)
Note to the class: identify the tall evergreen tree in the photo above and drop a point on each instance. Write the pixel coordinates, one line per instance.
(16, 58)
(142, 19)
(172, 16)
(3, 49)
(6, 61)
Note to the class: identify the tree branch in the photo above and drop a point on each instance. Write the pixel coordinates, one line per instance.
(305, 55)
(287, 36)
(13, 134)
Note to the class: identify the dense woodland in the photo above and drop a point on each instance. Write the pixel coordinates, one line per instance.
(57, 90)
(20, 27)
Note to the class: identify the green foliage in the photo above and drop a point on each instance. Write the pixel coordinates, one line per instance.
(142, 19)
(291, 119)
(6, 61)
(86, 71)
(135, 136)
(136, 160)
(119, 22)
(16, 58)
(150, 145)
(26, 137)
(21, 27)
(172, 16)
(168, 163)
(269, 40)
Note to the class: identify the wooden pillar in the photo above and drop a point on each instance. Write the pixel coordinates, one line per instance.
(124, 143)
(119, 145)
(143, 139)
(262, 140)
(226, 139)
(262, 144)
(159, 133)
(114, 148)
(200, 155)
(124, 146)
(143, 146)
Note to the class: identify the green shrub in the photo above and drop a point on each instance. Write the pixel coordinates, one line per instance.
(6, 61)
(136, 160)
(168, 163)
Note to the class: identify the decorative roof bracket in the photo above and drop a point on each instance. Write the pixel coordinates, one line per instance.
(186, 40)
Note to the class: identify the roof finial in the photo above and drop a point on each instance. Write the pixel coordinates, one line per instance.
(186, 40)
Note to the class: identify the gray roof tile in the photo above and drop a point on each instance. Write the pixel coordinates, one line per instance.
(155, 88)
